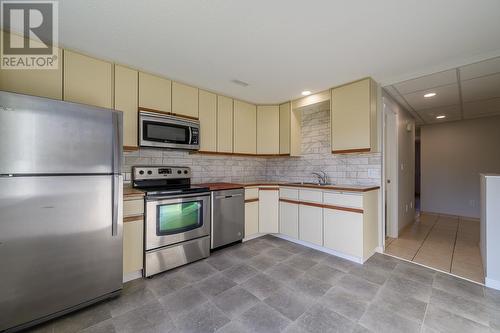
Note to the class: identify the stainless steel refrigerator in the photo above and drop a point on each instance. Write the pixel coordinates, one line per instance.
(60, 207)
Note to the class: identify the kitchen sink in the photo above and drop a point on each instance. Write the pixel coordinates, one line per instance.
(311, 183)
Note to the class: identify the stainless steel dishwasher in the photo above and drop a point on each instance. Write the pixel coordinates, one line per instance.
(228, 217)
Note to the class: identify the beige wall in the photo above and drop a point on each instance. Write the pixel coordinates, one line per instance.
(453, 156)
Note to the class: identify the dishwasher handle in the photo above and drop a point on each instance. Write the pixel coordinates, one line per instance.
(219, 197)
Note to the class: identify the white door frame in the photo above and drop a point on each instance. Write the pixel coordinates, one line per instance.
(390, 172)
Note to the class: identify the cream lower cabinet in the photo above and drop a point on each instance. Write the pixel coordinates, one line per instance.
(269, 210)
(133, 235)
(251, 218)
(343, 231)
(311, 224)
(289, 219)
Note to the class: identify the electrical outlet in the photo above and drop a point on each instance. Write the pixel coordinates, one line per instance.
(406, 207)
(472, 203)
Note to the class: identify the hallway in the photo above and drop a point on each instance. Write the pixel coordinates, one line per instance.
(447, 243)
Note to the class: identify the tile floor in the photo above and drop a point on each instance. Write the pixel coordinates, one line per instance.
(271, 285)
(450, 244)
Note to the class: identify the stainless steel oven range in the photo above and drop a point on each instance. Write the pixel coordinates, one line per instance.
(177, 217)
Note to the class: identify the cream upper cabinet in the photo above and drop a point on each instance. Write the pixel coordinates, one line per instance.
(268, 210)
(353, 117)
(184, 100)
(284, 128)
(245, 128)
(268, 135)
(155, 92)
(88, 80)
(36, 82)
(208, 120)
(126, 85)
(224, 124)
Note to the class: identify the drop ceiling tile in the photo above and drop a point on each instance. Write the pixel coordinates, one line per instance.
(481, 88)
(487, 67)
(445, 95)
(484, 108)
(452, 113)
(427, 82)
(394, 94)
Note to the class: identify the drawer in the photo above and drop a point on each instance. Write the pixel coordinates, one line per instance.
(289, 193)
(133, 207)
(343, 199)
(251, 193)
(311, 196)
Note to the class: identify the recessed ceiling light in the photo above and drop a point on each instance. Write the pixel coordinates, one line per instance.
(428, 95)
(440, 117)
(306, 93)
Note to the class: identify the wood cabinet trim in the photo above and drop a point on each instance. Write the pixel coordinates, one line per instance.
(312, 204)
(240, 154)
(130, 148)
(350, 151)
(167, 113)
(269, 188)
(251, 200)
(133, 218)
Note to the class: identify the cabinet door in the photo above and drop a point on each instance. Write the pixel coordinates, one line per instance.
(311, 224)
(285, 128)
(268, 135)
(133, 249)
(344, 231)
(251, 218)
(126, 85)
(245, 128)
(268, 211)
(208, 121)
(289, 219)
(88, 80)
(36, 82)
(184, 100)
(350, 117)
(224, 124)
(155, 92)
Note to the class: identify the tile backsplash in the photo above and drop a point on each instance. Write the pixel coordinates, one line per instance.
(351, 169)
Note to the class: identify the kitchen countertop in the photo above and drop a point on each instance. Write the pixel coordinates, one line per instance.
(352, 188)
(130, 193)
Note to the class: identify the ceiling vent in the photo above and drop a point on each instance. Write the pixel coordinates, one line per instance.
(240, 83)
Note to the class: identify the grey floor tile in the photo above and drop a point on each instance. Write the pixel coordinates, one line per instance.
(309, 286)
(360, 329)
(492, 298)
(444, 321)
(130, 299)
(300, 262)
(325, 273)
(379, 319)
(214, 285)
(294, 328)
(382, 261)
(294, 247)
(183, 300)
(345, 303)
(359, 287)
(288, 303)
(262, 262)
(461, 306)
(403, 305)
(242, 252)
(198, 271)
(263, 318)
(162, 285)
(320, 319)
(340, 263)
(314, 255)
(82, 319)
(235, 301)
(233, 327)
(205, 318)
(284, 273)
(409, 288)
(371, 274)
(261, 285)
(103, 327)
(47, 327)
(221, 261)
(415, 272)
(151, 317)
(458, 286)
(278, 254)
(240, 273)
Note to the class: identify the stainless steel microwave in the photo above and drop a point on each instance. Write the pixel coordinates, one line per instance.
(166, 131)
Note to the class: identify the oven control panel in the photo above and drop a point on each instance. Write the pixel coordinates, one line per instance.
(160, 172)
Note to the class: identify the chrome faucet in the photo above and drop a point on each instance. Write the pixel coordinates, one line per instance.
(322, 177)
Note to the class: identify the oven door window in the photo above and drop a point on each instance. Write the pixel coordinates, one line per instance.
(179, 217)
(169, 133)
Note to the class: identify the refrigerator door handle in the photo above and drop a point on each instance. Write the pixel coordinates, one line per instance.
(117, 202)
(117, 142)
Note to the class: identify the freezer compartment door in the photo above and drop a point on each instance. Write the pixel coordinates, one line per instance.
(44, 136)
(58, 246)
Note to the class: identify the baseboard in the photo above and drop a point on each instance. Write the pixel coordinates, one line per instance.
(321, 248)
(490, 283)
(132, 276)
(252, 237)
(379, 249)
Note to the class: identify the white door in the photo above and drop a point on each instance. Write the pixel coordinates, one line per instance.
(391, 170)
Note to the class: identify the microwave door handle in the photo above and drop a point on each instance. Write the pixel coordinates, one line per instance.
(190, 135)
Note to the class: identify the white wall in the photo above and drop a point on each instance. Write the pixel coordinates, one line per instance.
(453, 156)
